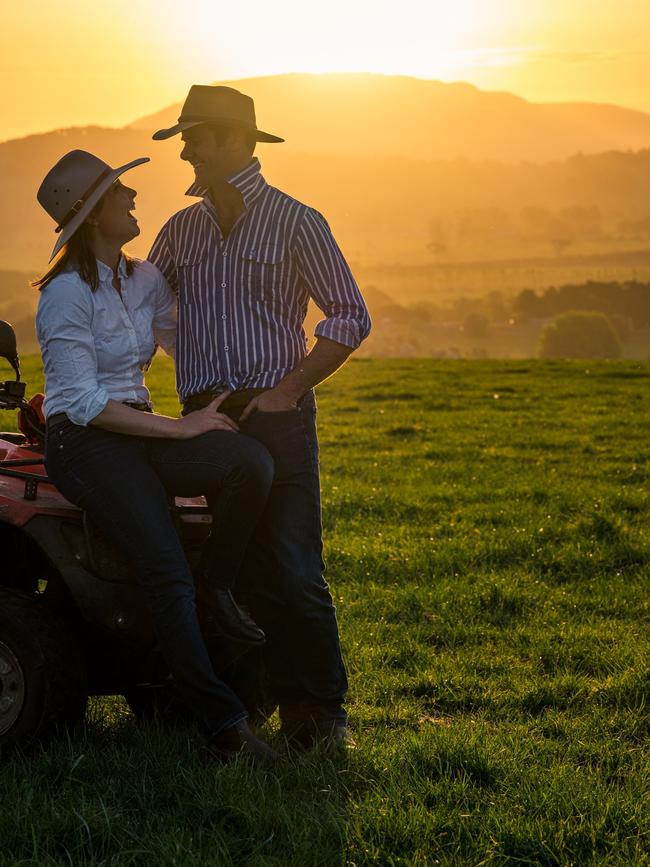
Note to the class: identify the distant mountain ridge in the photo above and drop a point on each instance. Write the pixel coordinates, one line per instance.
(405, 170)
(396, 115)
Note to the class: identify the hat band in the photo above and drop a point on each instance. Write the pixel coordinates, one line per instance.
(78, 205)
(202, 118)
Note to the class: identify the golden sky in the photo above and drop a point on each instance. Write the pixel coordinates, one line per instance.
(75, 62)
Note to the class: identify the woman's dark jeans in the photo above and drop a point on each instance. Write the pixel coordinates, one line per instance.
(123, 483)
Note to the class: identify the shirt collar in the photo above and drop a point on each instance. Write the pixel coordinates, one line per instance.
(106, 273)
(248, 181)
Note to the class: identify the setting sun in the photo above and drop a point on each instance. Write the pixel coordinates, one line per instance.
(415, 37)
(71, 67)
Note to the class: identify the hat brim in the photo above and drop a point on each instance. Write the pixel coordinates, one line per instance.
(75, 223)
(183, 125)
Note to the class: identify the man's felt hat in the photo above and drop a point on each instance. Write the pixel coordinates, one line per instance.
(207, 103)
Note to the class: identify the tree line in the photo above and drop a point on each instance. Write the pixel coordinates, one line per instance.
(627, 301)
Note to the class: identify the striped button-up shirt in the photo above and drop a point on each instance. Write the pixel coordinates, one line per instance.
(242, 300)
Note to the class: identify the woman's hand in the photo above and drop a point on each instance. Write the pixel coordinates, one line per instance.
(123, 419)
(203, 420)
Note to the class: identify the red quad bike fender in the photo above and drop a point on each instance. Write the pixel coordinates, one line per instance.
(14, 508)
(103, 586)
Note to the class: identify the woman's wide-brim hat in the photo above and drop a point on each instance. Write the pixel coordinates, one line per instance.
(214, 103)
(72, 189)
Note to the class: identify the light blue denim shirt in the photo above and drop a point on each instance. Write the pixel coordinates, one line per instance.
(97, 345)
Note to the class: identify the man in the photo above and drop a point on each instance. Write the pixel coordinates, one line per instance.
(244, 261)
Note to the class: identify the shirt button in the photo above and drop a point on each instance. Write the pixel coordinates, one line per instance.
(223, 285)
(224, 255)
(223, 316)
(227, 348)
(185, 261)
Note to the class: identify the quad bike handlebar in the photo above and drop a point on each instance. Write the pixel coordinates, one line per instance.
(30, 420)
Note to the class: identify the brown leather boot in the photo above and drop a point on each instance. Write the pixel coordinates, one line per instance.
(221, 614)
(307, 734)
(237, 739)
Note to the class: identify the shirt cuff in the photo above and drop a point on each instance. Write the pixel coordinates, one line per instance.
(84, 411)
(340, 331)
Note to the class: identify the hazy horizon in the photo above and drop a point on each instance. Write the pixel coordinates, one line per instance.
(467, 151)
(129, 121)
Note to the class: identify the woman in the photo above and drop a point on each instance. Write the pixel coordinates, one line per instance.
(100, 316)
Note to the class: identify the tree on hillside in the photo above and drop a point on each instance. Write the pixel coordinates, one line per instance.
(476, 325)
(583, 221)
(580, 334)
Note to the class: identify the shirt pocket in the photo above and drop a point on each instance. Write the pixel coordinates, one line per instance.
(192, 271)
(263, 273)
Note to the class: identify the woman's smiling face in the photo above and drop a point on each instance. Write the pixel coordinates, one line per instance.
(113, 218)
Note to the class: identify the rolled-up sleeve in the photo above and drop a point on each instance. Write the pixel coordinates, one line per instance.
(164, 320)
(330, 283)
(63, 327)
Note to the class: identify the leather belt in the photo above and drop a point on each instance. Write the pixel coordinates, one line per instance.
(59, 418)
(55, 420)
(237, 400)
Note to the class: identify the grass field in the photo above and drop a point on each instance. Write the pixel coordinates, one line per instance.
(487, 539)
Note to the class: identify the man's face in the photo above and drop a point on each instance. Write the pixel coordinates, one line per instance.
(211, 162)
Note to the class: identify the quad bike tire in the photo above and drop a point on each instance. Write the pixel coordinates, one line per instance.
(42, 675)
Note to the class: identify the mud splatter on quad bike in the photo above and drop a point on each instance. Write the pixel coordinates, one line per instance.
(72, 619)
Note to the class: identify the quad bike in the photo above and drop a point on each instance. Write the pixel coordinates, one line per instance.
(73, 622)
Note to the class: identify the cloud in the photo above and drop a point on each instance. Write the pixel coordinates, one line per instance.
(587, 56)
(525, 54)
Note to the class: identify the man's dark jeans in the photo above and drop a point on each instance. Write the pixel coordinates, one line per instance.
(287, 592)
(123, 483)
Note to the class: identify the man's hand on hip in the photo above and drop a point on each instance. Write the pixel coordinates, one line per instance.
(325, 357)
(273, 400)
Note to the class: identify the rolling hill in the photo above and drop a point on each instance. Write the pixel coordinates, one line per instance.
(405, 170)
(364, 115)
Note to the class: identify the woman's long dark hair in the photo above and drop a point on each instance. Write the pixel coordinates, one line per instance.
(77, 255)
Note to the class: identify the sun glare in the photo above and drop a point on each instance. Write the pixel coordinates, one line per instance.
(142, 55)
(426, 38)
